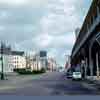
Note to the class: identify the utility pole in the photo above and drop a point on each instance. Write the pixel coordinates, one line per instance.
(2, 70)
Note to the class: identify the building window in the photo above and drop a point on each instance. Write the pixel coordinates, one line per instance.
(15, 66)
(15, 62)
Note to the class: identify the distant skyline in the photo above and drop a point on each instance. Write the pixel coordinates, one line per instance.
(33, 25)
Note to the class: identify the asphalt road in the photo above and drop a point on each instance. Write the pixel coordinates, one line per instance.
(48, 84)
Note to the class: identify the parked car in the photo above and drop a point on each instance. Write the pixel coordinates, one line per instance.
(76, 76)
(69, 75)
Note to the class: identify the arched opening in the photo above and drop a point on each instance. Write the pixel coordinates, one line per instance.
(95, 50)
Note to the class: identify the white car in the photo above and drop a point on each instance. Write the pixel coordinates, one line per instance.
(76, 76)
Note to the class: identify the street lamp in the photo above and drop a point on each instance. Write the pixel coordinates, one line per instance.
(2, 71)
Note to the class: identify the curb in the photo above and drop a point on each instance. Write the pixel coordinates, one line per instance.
(93, 83)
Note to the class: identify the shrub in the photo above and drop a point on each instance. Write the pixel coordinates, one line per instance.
(39, 71)
(43, 70)
(24, 71)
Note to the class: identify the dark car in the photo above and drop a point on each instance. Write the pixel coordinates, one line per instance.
(69, 75)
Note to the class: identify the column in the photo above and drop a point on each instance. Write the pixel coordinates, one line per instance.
(90, 60)
(86, 65)
(97, 64)
(98, 11)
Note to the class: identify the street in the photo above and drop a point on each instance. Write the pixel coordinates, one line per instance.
(48, 84)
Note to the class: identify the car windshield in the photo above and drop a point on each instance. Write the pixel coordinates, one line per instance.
(77, 73)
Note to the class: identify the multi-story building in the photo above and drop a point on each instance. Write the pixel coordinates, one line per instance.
(17, 59)
(39, 60)
(5, 54)
(11, 59)
(86, 51)
(52, 65)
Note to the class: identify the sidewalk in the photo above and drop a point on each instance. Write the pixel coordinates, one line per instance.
(93, 81)
(13, 81)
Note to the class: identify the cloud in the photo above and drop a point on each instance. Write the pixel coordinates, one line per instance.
(23, 3)
(59, 18)
(13, 2)
(34, 25)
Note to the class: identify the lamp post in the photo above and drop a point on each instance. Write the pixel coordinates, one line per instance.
(2, 70)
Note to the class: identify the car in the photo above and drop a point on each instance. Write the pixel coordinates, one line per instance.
(69, 75)
(76, 76)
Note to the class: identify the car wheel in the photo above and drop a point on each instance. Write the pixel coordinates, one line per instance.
(73, 79)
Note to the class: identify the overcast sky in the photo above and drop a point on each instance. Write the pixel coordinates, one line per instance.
(34, 25)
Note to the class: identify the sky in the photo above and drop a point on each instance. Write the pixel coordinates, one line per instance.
(33, 25)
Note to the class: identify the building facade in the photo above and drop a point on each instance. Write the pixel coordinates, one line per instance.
(17, 59)
(11, 59)
(38, 61)
(52, 65)
(5, 52)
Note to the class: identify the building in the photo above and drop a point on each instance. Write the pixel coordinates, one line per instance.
(43, 59)
(11, 59)
(5, 52)
(86, 51)
(17, 59)
(38, 61)
(28, 61)
(52, 65)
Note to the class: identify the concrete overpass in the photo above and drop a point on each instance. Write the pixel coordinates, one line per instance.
(86, 51)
